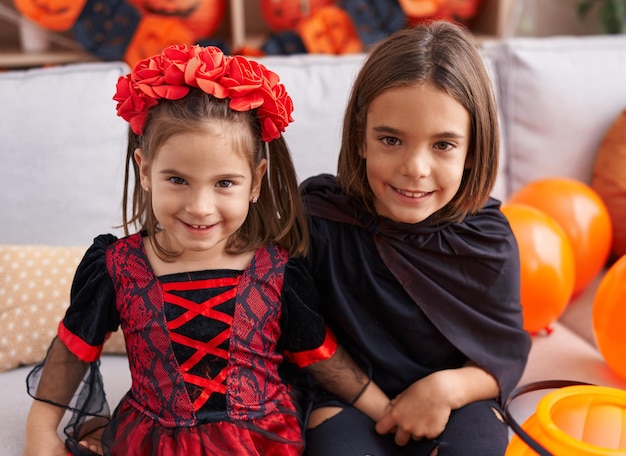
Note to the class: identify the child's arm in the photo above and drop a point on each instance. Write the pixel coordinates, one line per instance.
(41, 430)
(60, 375)
(423, 409)
(341, 376)
(373, 401)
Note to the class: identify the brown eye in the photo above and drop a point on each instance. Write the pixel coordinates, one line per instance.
(442, 145)
(390, 141)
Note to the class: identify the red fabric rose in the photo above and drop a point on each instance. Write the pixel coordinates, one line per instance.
(243, 80)
(171, 75)
(276, 108)
(279, 107)
(132, 104)
(206, 69)
(252, 86)
(160, 77)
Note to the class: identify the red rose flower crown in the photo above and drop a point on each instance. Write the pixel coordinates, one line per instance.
(171, 75)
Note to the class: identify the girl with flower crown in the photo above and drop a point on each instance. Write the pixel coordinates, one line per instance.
(205, 292)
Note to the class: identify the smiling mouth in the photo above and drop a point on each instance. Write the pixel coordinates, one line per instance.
(199, 227)
(411, 194)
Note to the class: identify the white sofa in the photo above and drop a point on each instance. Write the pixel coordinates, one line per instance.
(62, 149)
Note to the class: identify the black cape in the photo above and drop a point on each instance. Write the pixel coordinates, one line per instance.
(465, 277)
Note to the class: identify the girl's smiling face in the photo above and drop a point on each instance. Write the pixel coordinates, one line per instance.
(416, 150)
(201, 187)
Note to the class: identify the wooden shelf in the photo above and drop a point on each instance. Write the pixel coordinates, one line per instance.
(17, 59)
(243, 25)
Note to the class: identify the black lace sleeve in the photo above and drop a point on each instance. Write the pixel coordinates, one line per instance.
(69, 376)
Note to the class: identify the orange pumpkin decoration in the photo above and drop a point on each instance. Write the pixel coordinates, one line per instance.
(452, 10)
(57, 15)
(155, 33)
(249, 51)
(415, 9)
(202, 17)
(283, 15)
(458, 10)
(330, 31)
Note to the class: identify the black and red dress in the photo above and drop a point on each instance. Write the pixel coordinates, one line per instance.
(205, 351)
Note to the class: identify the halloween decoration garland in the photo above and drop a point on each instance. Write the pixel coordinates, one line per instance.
(127, 30)
(132, 30)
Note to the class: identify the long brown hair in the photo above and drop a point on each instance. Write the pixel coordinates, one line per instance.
(445, 55)
(278, 216)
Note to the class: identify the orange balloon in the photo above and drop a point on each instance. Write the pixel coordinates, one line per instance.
(582, 214)
(576, 420)
(609, 315)
(546, 264)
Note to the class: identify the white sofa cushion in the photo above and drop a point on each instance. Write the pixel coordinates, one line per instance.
(319, 85)
(62, 147)
(560, 95)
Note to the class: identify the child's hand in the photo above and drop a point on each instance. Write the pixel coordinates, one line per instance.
(90, 444)
(420, 411)
(93, 441)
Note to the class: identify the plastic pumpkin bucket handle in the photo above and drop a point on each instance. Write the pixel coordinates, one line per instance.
(528, 388)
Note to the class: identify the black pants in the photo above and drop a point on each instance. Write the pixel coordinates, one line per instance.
(473, 430)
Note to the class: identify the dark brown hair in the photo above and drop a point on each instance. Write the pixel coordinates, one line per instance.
(444, 55)
(278, 216)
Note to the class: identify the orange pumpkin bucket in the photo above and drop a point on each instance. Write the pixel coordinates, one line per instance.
(580, 419)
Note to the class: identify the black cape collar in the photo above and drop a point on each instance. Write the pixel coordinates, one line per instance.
(464, 276)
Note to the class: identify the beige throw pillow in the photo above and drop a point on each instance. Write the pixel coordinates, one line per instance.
(35, 282)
